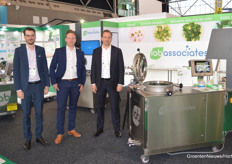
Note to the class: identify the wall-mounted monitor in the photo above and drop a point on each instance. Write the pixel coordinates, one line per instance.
(201, 67)
(89, 45)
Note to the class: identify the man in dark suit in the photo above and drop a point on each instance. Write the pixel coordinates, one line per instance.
(68, 77)
(31, 81)
(107, 76)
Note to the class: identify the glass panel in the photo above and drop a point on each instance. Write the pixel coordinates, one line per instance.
(126, 8)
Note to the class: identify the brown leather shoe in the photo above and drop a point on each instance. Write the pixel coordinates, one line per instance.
(58, 139)
(74, 133)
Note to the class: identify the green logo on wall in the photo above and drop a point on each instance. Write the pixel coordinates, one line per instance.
(85, 33)
(4, 97)
(156, 53)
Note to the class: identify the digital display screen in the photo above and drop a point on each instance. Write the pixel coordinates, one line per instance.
(88, 46)
(202, 67)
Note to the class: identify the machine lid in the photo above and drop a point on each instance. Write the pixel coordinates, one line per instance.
(159, 87)
(157, 83)
(139, 67)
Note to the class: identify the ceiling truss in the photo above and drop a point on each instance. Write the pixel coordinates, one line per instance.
(180, 12)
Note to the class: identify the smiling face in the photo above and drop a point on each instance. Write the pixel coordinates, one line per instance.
(70, 39)
(106, 39)
(30, 37)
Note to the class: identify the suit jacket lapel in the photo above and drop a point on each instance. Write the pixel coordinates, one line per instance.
(77, 65)
(37, 56)
(100, 59)
(111, 58)
(26, 56)
(65, 57)
(77, 56)
(25, 59)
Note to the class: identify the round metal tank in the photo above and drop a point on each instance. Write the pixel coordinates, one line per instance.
(139, 69)
(158, 86)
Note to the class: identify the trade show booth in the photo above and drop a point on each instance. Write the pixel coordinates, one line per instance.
(179, 96)
(12, 37)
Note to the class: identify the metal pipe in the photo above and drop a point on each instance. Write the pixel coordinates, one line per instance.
(190, 7)
(218, 62)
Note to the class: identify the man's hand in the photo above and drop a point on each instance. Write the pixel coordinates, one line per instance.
(46, 90)
(119, 88)
(81, 87)
(20, 94)
(55, 86)
(94, 88)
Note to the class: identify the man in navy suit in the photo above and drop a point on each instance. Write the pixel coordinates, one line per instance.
(107, 76)
(31, 81)
(68, 77)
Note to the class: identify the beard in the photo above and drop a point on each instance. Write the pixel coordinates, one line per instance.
(30, 42)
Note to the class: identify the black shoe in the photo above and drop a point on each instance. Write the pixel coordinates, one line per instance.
(42, 141)
(118, 134)
(98, 133)
(27, 145)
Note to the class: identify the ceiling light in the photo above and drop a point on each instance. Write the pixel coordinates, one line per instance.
(82, 21)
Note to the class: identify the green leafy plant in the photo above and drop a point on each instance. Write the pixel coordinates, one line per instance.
(192, 31)
(224, 23)
(50, 35)
(162, 33)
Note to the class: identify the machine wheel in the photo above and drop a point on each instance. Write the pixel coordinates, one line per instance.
(169, 93)
(92, 110)
(130, 142)
(144, 159)
(181, 85)
(215, 149)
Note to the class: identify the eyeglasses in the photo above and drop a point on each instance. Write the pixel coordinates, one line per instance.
(30, 36)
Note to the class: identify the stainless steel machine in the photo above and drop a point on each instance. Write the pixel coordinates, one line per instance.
(164, 117)
(220, 48)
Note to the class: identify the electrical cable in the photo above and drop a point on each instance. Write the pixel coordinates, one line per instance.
(191, 152)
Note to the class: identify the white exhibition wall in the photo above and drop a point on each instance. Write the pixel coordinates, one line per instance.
(168, 44)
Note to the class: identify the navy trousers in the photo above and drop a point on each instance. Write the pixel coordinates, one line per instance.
(105, 87)
(35, 94)
(67, 89)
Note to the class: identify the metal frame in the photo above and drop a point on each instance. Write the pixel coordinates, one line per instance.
(87, 3)
(61, 22)
(168, 2)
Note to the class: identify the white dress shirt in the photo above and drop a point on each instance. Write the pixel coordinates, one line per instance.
(106, 57)
(33, 70)
(71, 64)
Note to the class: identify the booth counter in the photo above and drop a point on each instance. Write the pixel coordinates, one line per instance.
(8, 99)
(87, 98)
